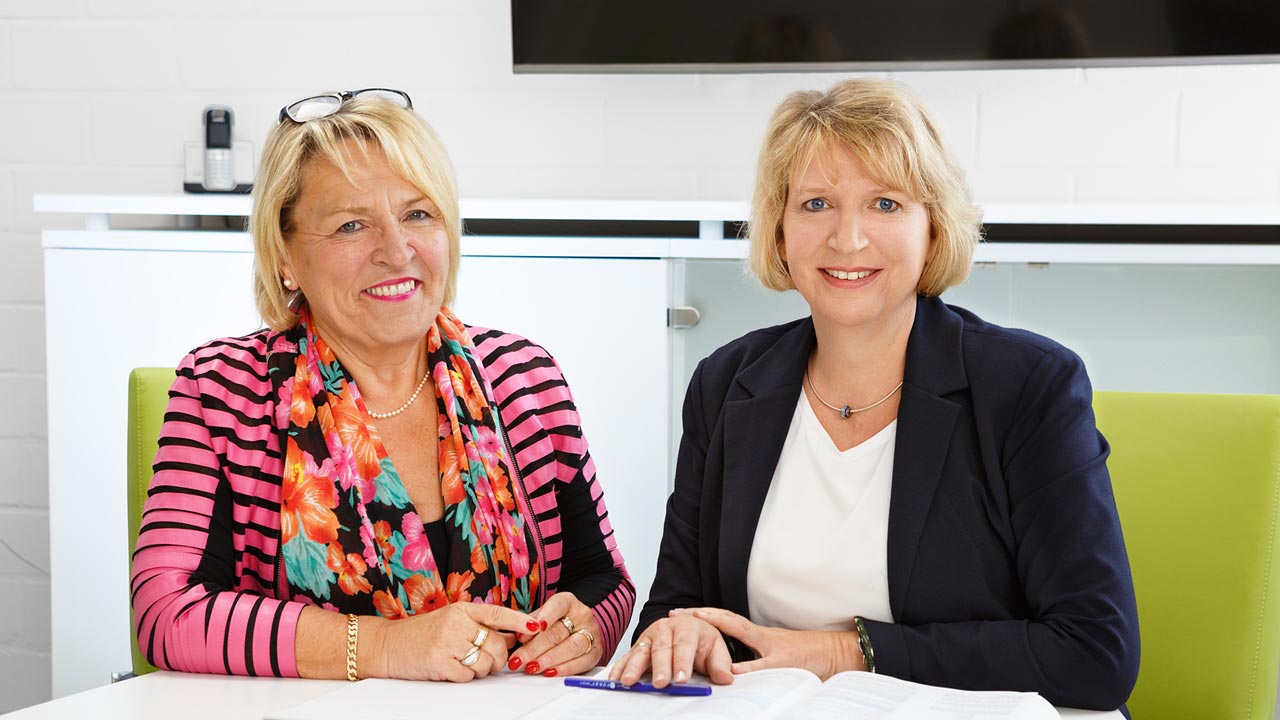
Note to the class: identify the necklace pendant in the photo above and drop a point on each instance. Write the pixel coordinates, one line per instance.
(846, 411)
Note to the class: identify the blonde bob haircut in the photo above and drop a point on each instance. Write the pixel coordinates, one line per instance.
(373, 126)
(887, 127)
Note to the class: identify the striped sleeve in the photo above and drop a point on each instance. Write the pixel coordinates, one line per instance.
(202, 569)
(596, 574)
(581, 554)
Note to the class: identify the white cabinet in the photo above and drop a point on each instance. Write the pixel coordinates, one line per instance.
(108, 311)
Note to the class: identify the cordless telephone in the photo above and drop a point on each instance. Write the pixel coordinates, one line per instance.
(219, 163)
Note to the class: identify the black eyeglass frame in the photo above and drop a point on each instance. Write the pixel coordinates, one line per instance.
(342, 97)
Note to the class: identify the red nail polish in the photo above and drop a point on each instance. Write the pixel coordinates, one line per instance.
(514, 663)
(533, 668)
(544, 624)
(533, 626)
(551, 672)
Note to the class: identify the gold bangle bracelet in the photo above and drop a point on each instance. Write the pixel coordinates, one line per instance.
(353, 635)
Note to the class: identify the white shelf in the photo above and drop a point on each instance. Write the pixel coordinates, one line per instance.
(142, 240)
(475, 208)
(679, 210)
(684, 248)
(194, 204)
(1120, 254)
(709, 214)
(1268, 214)
(487, 246)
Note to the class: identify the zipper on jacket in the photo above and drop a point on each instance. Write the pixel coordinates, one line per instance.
(279, 586)
(277, 580)
(532, 520)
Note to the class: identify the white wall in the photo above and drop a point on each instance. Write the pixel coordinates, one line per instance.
(100, 95)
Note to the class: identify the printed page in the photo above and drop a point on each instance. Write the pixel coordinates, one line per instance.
(753, 696)
(863, 696)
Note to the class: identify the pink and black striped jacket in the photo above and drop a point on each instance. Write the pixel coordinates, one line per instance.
(206, 588)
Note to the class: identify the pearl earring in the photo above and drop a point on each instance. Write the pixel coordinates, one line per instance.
(288, 283)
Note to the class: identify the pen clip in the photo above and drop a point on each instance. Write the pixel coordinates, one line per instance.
(681, 690)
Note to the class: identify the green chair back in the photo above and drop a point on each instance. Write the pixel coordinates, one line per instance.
(1197, 484)
(148, 398)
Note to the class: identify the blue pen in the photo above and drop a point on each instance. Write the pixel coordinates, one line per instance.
(672, 689)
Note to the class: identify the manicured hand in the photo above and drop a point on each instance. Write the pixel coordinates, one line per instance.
(432, 645)
(824, 653)
(673, 648)
(554, 650)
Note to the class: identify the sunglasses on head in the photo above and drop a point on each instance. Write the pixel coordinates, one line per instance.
(326, 104)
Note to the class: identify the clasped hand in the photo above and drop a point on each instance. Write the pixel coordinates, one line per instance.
(568, 642)
(438, 645)
(692, 640)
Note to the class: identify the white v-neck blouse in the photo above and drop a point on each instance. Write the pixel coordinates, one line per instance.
(820, 551)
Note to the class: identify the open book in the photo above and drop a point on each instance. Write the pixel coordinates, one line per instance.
(790, 694)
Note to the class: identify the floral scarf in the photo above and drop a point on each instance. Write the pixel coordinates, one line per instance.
(352, 541)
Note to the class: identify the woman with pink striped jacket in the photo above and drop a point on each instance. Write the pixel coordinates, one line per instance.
(369, 487)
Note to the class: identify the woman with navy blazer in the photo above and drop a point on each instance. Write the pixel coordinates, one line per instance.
(891, 484)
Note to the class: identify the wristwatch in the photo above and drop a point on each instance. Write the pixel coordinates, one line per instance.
(864, 644)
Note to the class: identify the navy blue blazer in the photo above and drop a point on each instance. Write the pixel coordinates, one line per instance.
(1007, 568)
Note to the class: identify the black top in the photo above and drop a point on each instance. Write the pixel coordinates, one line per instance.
(437, 538)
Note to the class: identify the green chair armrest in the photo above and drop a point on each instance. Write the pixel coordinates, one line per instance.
(148, 398)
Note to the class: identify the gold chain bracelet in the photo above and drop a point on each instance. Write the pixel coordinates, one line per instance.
(353, 634)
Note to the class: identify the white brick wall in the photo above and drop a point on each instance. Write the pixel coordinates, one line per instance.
(26, 462)
(42, 8)
(41, 130)
(6, 55)
(1214, 132)
(96, 55)
(1084, 126)
(100, 95)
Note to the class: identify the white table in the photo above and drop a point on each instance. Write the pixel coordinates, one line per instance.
(166, 695)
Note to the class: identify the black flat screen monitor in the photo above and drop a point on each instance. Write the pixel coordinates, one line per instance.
(851, 35)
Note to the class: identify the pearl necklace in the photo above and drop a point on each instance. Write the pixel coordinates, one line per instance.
(407, 403)
(846, 411)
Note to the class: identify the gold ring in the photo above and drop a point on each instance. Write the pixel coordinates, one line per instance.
(471, 657)
(481, 635)
(567, 623)
(643, 644)
(591, 639)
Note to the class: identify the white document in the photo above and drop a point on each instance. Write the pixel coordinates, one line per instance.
(787, 694)
(863, 696)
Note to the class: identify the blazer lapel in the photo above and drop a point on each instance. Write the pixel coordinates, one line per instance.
(758, 411)
(926, 422)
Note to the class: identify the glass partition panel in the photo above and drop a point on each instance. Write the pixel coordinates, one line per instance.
(1146, 328)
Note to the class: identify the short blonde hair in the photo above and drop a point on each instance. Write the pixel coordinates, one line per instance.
(411, 148)
(887, 127)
